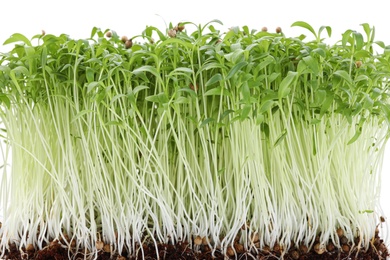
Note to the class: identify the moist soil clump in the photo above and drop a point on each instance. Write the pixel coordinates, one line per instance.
(58, 251)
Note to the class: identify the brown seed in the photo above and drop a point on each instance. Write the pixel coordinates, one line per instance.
(255, 237)
(239, 248)
(205, 240)
(107, 248)
(73, 243)
(194, 88)
(266, 249)
(99, 245)
(257, 244)
(340, 232)
(180, 27)
(198, 240)
(128, 44)
(345, 248)
(319, 249)
(230, 252)
(344, 240)
(303, 248)
(382, 219)
(278, 29)
(264, 29)
(277, 248)
(109, 34)
(43, 33)
(330, 247)
(358, 63)
(124, 38)
(295, 254)
(121, 258)
(30, 247)
(53, 243)
(172, 33)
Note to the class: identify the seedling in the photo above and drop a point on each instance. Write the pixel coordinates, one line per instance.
(194, 137)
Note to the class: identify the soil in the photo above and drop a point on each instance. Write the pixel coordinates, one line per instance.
(58, 251)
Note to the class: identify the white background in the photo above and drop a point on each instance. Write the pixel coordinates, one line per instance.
(77, 18)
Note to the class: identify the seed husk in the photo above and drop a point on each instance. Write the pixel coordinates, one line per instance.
(255, 237)
(278, 29)
(128, 44)
(172, 33)
(205, 240)
(230, 251)
(345, 248)
(330, 247)
(295, 254)
(43, 33)
(303, 248)
(239, 248)
(198, 240)
(358, 63)
(277, 248)
(124, 38)
(319, 249)
(264, 29)
(107, 248)
(30, 247)
(109, 34)
(344, 240)
(266, 249)
(99, 245)
(340, 232)
(180, 27)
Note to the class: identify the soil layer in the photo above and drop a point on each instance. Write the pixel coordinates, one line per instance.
(58, 251)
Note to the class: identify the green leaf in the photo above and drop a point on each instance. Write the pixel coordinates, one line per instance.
(92, 86)
(236, 68)
(17, 37)
(214, 91)
(343, 74)
(312, 64)
(266, 106)
(207, 121)
(139, 88)
(81, 114)
(5, 100)
(216, 78)
(90, 75)
(358, 131)
(285, 85)
(246, 94)
(328, 30)
(160, 98)
(306, 26)
(146, 68)
(281, 137)
(44, 56)
(359, 41)
(183, 69)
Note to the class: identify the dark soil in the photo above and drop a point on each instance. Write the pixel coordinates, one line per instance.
(58, 251)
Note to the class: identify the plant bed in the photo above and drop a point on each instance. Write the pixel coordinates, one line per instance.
(268, 146)
(183, 250)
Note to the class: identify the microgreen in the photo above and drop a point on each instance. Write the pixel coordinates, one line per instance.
(193, 135)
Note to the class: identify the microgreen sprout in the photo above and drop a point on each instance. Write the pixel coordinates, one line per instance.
(238, 141)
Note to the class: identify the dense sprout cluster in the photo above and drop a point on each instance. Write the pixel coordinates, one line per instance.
(223, 136)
